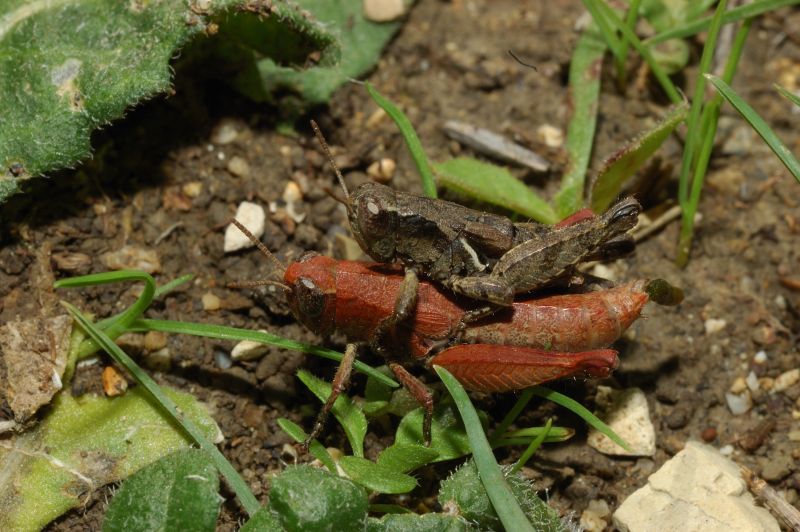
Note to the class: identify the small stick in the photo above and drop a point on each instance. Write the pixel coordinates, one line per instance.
(327, 150)
(663, 220)
(788, 514)
(492, 144)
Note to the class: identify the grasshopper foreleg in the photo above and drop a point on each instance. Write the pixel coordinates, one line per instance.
(340, 382)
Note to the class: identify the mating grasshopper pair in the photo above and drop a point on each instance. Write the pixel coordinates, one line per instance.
(482, 261)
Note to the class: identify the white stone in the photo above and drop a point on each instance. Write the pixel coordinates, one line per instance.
(739, 403)
(253, 217)
(383, 10)
(628, 415)
(697, 490)
(785, 380)
(552, 136)
(249, 350)
(714, 325)
(760, 357)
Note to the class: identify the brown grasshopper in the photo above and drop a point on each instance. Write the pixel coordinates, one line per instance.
(483, 256)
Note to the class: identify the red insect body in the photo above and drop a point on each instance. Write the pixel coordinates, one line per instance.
(513, 349)
(502, 368)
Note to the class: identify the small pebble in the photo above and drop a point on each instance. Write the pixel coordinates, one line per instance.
(383, 10)
(248, 350)
(222, 360)
(382, 171)
(225, 133)
(552, 136)
(253, 416)
(714, 326)
(794, 435)
(604, 272)
(289, 453)
(155, 340)
(739, 385)
(253, 217)
(777, 468)
(210, 302)
(238, 167)
(192, 189)
(160, 360)
(752, 382)
(293, 196)
(132, 258)
(114, 382)
(709, 434)
(739, 404)
(71, 262)
(593, 517)
(780, 302)
(760, 357)
(786, 380)
(726, 450)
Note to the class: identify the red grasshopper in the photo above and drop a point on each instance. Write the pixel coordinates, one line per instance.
(358, 299)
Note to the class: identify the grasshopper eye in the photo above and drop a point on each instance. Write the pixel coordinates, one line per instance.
(310, 298)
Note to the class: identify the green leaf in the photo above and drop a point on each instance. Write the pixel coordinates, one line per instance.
(376, 477)
(82, 444)
(186, 497)
(404, 457)
(412, 140)
(309, 499)
(499, 492)
(264, 519)
(316, 449)
(432, 522)
(495, 185)
(349, 416)
(448, 436)
(361, 44)
(756, 122)
(622, 165)
(464, 491)
(68, 68)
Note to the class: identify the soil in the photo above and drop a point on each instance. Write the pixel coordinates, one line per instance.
(164, 179)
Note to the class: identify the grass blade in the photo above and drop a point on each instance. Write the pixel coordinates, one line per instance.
(316, 449)
(579, 410)
(503, 500)
(610, 36)
(764, 131)
(222, 332)
(736, 14)
(522, 402)
(795, 99)
(533, 447)
(643, 50)
(584, 87)
(235, 481)
(411, 138)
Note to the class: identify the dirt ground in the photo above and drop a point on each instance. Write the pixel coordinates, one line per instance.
(165, 179)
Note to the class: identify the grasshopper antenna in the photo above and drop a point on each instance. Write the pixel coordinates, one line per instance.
(264, 251)
(328, 153)
(521, 62)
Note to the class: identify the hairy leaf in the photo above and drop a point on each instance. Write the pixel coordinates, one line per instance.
(67, 68)
(376, 477)
(186, 499)
(81, 445)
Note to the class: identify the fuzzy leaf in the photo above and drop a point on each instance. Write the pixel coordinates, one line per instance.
(67, 68)
(432, 522)
(309, 499)
(264, 519)
(495, 185)
(186, 498)
(622, 165)
(376, 477)
(81, 445)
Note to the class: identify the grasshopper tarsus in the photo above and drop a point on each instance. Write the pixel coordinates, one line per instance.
(421, 394)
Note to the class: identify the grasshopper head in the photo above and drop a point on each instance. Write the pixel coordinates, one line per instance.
(373, 220)
(623, 215)
(312, 296)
